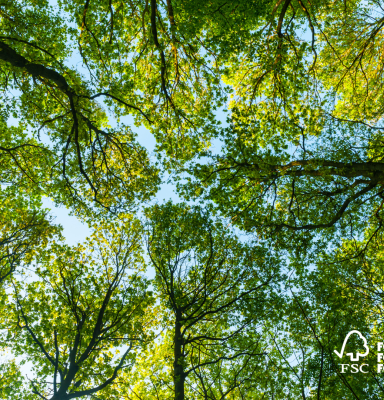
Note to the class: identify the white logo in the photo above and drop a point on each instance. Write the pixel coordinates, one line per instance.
(358, 355)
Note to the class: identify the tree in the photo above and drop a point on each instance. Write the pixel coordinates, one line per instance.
(82, 159)
(86, 305)
(215, 293)
(300, 155)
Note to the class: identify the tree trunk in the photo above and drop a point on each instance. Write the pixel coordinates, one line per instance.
(178, 367)
(59, 397)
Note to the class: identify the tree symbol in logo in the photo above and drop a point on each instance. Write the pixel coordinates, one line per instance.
(358, 355)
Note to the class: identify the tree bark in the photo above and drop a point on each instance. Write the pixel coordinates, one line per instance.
(178, 367)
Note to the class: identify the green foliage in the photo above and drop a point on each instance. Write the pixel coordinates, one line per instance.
(254, 288)
(215, 293)
(11, 381)
(84, 315)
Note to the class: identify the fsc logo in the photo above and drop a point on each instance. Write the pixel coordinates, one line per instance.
(355, 368)
(358, 355)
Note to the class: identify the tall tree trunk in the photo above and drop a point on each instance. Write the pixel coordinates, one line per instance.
(178, 368)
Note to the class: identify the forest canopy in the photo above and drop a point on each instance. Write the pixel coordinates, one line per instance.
(267, 119)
